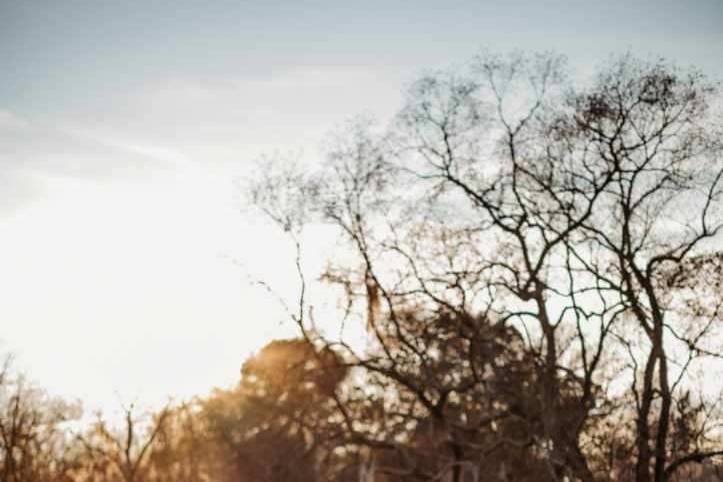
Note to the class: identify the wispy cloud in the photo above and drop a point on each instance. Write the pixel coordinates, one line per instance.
(11, 122)
(34, 152)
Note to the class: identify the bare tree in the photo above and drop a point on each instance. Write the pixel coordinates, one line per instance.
(503, 200)
(34, 445)
(121, 454)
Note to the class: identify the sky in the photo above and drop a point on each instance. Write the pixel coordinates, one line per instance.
(126, 127)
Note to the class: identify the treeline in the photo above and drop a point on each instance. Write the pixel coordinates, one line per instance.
(275, 425)
(301, 414)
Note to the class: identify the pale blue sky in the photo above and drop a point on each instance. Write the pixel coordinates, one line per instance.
(123, 125)
(76, 54)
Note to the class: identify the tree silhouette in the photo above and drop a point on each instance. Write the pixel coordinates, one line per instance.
(34, 446)
(578, 219)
